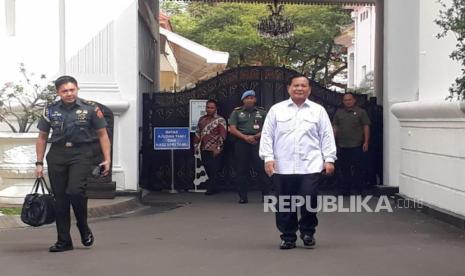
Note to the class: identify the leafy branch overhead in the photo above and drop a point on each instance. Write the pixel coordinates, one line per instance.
(452, 19)
(231, 27)
(22, 102)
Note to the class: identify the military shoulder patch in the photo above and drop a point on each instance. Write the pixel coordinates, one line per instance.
(98, 112)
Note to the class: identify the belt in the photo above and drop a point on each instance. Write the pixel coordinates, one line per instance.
(71, 144)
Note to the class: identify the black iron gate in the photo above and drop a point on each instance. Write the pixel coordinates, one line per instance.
(162, 109)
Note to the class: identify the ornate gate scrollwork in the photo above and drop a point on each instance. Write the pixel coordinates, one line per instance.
(162, 109)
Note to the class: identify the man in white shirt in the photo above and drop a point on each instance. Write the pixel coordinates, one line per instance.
(297, 146)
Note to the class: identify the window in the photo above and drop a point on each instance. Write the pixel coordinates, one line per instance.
(363, 15)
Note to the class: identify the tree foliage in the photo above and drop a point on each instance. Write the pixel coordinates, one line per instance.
(22, 103)
(231, 27)
(452, 19)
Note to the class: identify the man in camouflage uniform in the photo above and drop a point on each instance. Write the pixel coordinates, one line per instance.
(77, 125)
(245, 123)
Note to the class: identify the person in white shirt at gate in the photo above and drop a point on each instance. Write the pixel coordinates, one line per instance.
(297, 146)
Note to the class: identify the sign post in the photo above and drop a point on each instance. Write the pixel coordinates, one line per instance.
(171, 138)
(173, 190)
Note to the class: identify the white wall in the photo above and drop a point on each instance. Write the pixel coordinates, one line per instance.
(437, 70)
(432, 172)
(425, 152)
(351, 67)
(35, 42)
(364, 42)
(401, 66)
(100, 50)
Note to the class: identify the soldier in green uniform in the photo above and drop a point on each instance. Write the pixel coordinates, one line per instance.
(78, 127)
(351, 127)
(245, 123)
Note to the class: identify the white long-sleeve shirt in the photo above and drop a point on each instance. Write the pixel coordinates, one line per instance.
(298, 139)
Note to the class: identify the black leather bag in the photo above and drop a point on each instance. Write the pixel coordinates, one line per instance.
(39, 209)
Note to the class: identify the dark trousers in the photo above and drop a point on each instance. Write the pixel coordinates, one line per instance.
(305, 185)
(246, 157)
(68, 169)
(350, 166)
(212, 166)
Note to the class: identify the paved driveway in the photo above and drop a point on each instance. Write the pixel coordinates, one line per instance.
(216, 236)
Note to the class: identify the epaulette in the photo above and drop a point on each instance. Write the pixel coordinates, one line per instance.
(237, 108)
(89, 102)
(97, 109)
(260, 107)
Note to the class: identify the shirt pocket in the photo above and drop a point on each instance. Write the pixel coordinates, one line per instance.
(81, 131)
(309, 143)
(310, 125)
(284, 123)
(56, 125)
(82, 124)
(242, 119)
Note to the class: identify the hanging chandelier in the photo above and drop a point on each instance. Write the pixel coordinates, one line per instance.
(275, 25)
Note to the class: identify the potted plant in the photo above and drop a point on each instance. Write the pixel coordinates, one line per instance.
(21, 105)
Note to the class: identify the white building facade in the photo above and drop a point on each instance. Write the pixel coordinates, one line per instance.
(101, 43)
(424, 149)
(361, 52)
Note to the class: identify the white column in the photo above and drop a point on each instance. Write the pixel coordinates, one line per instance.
(401, 73)
(379, 50)
(101, 52)
(62, 37)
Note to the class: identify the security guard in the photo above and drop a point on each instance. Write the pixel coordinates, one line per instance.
(76, 126)
(245, 123)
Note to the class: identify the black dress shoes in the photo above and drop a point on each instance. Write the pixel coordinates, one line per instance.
(211, 192)
(286, 245)
(309, 241)
(61, 247)
(87, 238)
(243, 201)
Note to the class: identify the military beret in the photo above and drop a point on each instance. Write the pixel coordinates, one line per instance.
(247, 93)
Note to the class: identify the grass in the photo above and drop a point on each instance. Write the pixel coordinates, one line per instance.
(10, 211)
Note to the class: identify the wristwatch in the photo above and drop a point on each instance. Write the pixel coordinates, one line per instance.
(39, 163)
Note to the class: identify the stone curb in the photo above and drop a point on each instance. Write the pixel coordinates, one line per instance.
(131, 204)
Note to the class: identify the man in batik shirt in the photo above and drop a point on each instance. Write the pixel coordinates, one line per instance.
(209, 139)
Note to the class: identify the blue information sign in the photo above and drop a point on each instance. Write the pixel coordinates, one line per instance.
(171, 138)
